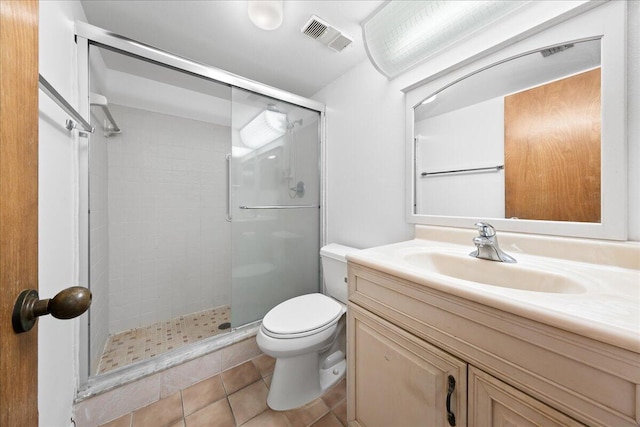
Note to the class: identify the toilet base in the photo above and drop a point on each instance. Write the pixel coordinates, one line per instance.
(298, 380)
(329, 377)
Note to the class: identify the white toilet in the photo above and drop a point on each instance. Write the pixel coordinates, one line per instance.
(306, 335)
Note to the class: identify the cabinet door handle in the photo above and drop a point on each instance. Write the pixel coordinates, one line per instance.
(452, 386)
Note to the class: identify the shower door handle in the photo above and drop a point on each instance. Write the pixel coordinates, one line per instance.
(228, 216)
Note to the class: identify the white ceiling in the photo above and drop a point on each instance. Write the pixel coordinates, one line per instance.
(219, 33)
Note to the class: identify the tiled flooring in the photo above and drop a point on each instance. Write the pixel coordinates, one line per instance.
(142, 343)
(237, 397)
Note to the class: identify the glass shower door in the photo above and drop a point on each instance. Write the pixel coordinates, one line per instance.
(156, 201)
(274, 199)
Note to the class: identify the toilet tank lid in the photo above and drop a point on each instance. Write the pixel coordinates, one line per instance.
(336, 251)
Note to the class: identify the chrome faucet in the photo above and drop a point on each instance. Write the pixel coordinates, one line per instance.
(487, 244)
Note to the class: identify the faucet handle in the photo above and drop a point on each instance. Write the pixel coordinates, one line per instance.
(485, 229)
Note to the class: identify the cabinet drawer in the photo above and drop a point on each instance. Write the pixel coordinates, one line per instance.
(396, 379)
(494, 403)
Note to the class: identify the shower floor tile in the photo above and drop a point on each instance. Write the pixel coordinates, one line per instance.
(142, 343)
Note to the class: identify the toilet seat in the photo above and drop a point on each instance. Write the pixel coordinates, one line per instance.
(302, 316)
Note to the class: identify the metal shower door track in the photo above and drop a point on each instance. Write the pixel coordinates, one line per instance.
(103, 38)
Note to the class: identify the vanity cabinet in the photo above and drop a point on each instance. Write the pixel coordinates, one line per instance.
(405, 339)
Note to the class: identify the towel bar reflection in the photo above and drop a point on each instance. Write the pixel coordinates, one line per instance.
(281, 207)
(46, 87)
(490, 168)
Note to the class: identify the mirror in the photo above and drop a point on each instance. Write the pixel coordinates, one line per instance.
(519, 139)
(530, 137)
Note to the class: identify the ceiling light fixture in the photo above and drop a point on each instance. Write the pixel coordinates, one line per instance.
(266, 14)
(264, 128)
(237, 151)
(403, 33)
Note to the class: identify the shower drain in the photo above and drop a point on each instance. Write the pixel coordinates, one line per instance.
(225, 325)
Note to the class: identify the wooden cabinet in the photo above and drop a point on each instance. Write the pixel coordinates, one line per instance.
(405, 339)
(401, 380)
(494, 403)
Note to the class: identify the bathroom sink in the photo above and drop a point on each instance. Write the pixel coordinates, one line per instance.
(461, 266)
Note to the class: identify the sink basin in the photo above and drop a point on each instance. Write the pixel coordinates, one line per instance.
(514, 276)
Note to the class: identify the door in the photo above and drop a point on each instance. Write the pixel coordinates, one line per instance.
(396, 379)
(552, 150)
(156, 197)
(274, 203)
(18, 206)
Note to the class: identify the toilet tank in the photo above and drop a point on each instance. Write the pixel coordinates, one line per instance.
(334, 270)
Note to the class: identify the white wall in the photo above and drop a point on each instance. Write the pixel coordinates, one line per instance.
(366, 137)
(633, 117)
(58, 255)
(365, 159)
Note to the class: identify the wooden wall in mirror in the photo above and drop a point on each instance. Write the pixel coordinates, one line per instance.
(533, 141)
(552, 150)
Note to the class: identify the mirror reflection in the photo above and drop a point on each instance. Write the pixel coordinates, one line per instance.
(519, 139)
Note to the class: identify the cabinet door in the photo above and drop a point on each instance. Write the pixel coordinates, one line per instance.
(396, 379)
(494, 403)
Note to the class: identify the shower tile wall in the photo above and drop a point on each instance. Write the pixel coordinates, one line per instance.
(167, 230)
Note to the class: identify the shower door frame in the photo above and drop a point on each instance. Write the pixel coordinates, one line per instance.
(87, 35)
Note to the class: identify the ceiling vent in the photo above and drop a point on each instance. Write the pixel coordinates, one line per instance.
(329, 36)
(555, 49)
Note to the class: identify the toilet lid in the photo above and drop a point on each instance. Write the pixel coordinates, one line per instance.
(302, 314)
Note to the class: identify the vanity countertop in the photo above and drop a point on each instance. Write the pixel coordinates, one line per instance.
(595, 285)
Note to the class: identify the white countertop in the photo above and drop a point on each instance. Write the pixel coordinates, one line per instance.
(605, 304)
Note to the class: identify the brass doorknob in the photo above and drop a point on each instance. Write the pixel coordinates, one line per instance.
(67, 304)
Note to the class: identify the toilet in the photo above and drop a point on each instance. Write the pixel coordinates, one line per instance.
(306, 336)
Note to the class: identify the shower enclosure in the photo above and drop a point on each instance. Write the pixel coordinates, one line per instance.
(203, 200)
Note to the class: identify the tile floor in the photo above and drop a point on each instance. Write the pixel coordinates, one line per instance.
(237, 397)
(142, 343)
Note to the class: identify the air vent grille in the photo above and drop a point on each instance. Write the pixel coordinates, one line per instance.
(326, 34)
(340, 42)
(555, 49)
(314, 28)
